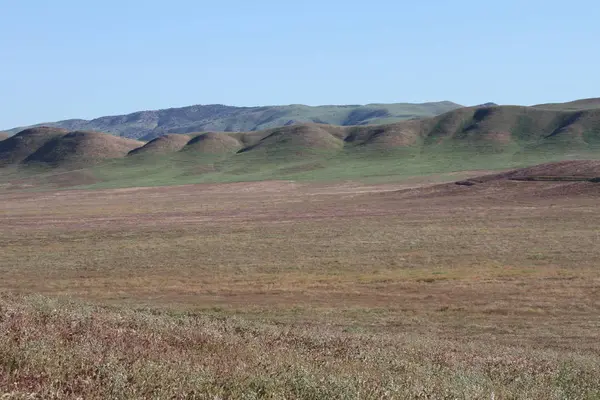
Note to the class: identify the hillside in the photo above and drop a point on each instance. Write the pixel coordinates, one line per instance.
(564, 181)
(557, 171)
(3, 136)
(298, 140)
(521, 128)
(203, 118)
(60, 148)
(20, 146)
(577, 105)
(213, 143)
(162, 145)
(475, 138)
(81, 148)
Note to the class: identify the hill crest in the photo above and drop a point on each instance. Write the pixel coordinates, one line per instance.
(80, 148)
(163, 145)
(221, 118)
(17, 148)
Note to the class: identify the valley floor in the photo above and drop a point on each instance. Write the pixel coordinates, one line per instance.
(302, 290)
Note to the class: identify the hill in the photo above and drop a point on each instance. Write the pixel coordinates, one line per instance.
(551, 183)
(213, 143)
(471, 138)
(3, 136)
(81, 148)
(559, 171)
(204, 118)
(299, 140)
(20, 146)
(577, 105)
(163, 145)
(475, 130)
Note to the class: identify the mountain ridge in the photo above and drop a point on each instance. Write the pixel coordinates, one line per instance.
(147, 125)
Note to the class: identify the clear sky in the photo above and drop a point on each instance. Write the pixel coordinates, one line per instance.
(64, 59)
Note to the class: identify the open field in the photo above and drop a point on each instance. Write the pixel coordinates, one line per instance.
(302, 290)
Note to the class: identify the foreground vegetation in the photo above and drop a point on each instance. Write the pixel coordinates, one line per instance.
(53, 349)
(280, 290)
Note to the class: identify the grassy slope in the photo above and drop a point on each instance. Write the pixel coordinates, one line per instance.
(366, 166)
(81, 148)
(464, 139)
(18, 147)
(494, 138)
(150, 124)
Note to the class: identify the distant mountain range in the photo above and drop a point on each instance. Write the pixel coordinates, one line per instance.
(147, 125)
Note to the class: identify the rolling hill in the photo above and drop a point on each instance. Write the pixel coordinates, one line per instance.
(522, 128)
(475, 138)
(162, 145)
(81, 148)
(213, 143)
(59, 148)
(17, 148)
(577, 105)
(203, 118)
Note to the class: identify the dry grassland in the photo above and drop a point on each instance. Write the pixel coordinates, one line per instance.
(289, 290)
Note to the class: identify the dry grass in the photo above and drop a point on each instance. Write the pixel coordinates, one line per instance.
(52, 350)
(286, 290)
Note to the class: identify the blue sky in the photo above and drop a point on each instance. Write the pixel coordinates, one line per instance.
(73, 59)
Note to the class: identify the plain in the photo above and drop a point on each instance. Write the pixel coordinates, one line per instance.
(288, 289)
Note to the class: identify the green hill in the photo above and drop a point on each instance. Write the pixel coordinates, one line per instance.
(486, 138)
(219, 118)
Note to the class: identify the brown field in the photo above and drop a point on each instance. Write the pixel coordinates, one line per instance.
(302, 290)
